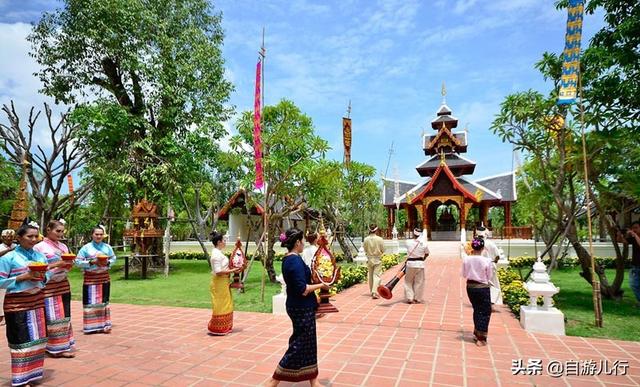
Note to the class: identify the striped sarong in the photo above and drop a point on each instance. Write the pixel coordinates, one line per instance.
(300, 362)
(95, 300)
(26, 334)
(57, 308)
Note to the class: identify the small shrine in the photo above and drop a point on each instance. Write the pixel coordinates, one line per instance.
(442, 202)
(324, 270)
(20, 209)
(144, 230)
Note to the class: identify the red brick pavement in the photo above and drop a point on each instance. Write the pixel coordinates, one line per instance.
(369, 343)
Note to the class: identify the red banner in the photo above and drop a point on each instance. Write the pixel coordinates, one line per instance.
(70, 182)
(257, 140)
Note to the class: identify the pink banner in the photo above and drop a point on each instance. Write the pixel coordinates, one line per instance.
(257, 141)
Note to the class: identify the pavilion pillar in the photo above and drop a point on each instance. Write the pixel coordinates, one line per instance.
(463, 222)
(507, 219)
(425, 219)
(484, 214)
(389, 219)
(412, 216)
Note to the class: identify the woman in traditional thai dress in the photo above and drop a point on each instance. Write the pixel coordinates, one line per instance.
(57, 292)
(221, 322)
(24, 307)
(300, 362)
(97, 283)
(6, 247)
(478, 271)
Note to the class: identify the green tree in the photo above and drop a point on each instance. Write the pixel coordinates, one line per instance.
(153, 74)
(347, 197)
(9, 180)
(291, 163)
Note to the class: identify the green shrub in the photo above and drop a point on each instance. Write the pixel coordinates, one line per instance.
(389, 260)
(349, 276)
(515, 295)
(507, 276)
(189, 255)
(563, 263)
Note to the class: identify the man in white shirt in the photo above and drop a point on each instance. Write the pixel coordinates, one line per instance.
(414, 278)
(492, 252)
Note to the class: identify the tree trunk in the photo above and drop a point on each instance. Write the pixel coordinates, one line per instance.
(340, 236)
(584, 258)
(270, 256)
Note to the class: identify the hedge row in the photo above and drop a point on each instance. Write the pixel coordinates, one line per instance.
(566, 262)
(192, 255)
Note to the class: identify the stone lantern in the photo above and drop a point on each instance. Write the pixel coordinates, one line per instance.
(546, 318)
(361, 258)
(503, 261)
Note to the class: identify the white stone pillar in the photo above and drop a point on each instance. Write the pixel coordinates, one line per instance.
(279, 300)
(546, 318)
(361, 258)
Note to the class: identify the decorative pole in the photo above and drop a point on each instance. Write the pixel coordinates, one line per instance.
(263, 55)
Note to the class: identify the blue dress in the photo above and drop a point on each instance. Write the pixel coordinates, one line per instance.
(300, 362)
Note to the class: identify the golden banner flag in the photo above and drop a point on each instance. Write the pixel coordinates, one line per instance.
(346, 137)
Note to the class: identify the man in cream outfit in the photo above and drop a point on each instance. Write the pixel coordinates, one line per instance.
(417, 252)
(373, 248)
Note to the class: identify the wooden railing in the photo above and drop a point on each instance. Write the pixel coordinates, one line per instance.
(525, 232)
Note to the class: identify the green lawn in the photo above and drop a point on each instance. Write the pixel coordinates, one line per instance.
(621, 319)
(187, 285)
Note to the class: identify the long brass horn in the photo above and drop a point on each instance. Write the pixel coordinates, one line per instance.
(385, 291)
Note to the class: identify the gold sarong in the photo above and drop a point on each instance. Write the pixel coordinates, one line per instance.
(221, 322)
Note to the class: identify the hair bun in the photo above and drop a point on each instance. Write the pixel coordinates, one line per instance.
(477, 244)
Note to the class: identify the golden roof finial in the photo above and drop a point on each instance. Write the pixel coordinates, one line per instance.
(443, 91)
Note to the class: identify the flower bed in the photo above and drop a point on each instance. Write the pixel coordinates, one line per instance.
(353, 275)
(514, 295)
(194, 255)
(566, 262)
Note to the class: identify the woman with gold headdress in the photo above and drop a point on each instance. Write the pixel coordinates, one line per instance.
(95, 258)
(23, 273)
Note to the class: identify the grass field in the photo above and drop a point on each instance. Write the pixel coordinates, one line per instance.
(187, 285)
(621, 319)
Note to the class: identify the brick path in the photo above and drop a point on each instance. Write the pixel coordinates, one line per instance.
(369, 343)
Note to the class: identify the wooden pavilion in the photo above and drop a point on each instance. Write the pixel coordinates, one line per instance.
(442, 202)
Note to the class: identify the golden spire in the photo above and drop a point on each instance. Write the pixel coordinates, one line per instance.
(323, 231)
(443, 91)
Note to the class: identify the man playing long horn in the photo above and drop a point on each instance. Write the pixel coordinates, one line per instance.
(414, 278)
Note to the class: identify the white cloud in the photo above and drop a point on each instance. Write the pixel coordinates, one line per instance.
(463, 5)
(307, 7)
(17, 82)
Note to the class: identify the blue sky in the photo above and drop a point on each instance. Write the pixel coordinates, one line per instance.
(388, 57)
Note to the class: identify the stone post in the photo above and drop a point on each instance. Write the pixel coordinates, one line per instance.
(546, 318)
(279, 300)
(361, 258)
